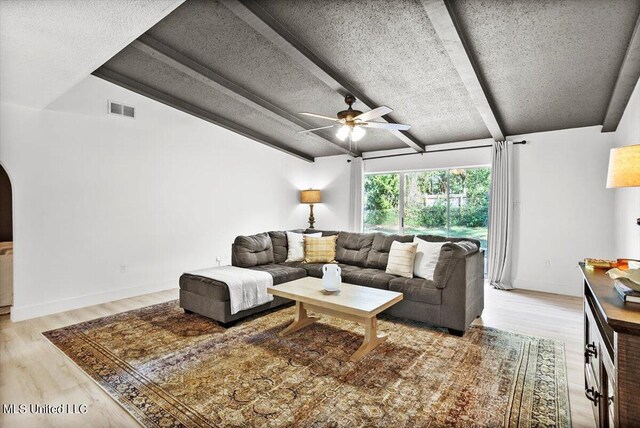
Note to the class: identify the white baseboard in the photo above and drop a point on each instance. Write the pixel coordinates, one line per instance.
(21, 313)
(548, 287)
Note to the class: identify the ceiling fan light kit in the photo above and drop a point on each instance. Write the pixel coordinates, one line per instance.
(352, 122)
(357, 133)
(343, 132)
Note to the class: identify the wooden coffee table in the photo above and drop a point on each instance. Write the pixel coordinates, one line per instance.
(352, 302)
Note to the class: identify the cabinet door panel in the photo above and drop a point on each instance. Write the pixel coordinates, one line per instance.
(593, 344)
(593, 393)
(609, 402)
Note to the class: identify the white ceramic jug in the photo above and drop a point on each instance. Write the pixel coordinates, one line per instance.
(331, 277)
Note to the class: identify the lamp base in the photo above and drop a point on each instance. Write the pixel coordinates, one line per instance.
(312, 219)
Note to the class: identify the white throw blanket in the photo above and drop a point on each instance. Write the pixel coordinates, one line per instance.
(247, 287)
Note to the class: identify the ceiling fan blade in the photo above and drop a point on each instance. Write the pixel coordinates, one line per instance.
(314, 129)
(389, 126)
(320, 116)
(375, 113)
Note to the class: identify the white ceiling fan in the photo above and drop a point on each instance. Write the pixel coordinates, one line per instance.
(352, 123)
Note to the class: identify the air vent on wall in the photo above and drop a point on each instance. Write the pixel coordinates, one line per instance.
(122, 110)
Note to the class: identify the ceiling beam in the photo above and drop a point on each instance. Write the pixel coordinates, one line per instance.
(446, 27)
(191, 68)
(198, 112)
(261, 21)
(625, 83)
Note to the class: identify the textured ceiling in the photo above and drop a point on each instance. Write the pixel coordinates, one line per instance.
(390, 51)
(213, 36)
(154, 74)
(544, 65)
(47, 47)
(548, 64)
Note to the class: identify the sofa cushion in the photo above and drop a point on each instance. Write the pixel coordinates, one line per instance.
(320, 250)
(353, 248)
(279, 243)
(218, 291)
(295, 245)
(417, 289)
(427, 257)
(374, 278)
(379, 253)
(315, 269)
(281, 273)
(252, 250)
(450, 253)
(401, 259)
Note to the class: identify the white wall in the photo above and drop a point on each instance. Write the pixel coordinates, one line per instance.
(563, 212)
(161, 194)
(627, 200)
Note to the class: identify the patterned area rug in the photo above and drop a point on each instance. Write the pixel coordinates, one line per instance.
(171, 369)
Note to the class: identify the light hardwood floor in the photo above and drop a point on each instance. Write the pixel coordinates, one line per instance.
(33, 371)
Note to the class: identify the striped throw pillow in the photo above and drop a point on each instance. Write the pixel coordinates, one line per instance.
(401, 259)
(320, 250)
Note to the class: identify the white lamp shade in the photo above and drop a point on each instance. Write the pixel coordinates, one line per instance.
(357, 133)
(343, 132)
(624, 167)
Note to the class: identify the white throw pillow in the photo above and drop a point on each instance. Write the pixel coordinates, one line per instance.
(401, 258)
(426, 258)
(295, 244)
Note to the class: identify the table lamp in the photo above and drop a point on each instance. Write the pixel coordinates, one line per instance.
(310, 197)
(624, 168)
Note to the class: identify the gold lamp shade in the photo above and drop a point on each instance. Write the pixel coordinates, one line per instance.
(310, 196)
(624, 167)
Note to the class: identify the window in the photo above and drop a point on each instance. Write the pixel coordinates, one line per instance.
(448, 202)
(382, 196)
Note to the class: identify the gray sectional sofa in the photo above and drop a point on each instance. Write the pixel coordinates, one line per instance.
(452, 300)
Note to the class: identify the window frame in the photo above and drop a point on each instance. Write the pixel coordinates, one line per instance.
(401, 188)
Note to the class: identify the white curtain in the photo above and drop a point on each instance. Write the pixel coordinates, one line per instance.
(500, 215)
(357, 194)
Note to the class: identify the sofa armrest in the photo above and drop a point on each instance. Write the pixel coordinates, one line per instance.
(463, 297)
(252, 250)
(462, 249)
(450, 254)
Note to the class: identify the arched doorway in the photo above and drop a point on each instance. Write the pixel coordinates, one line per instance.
(6, 243)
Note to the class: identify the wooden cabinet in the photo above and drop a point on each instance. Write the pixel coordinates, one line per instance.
(611, 352)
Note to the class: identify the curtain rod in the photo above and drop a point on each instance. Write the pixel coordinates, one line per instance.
(436, 151)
